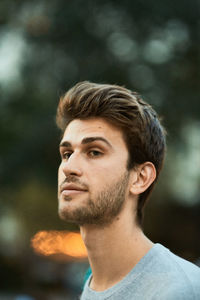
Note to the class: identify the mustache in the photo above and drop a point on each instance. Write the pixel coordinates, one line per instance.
(73, 179)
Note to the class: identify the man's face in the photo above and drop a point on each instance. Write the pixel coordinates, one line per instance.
(93, 181)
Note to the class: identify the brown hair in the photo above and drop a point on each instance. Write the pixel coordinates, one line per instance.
(143, 132)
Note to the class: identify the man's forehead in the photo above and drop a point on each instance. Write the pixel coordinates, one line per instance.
(90, 125)
(79, 129)
(84, 126)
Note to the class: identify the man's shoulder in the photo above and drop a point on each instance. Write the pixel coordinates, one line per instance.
(178, 276)
(166, 261)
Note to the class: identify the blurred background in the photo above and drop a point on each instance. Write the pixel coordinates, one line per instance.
(152, 47)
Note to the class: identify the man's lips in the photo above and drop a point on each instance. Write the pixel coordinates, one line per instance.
(71, 188)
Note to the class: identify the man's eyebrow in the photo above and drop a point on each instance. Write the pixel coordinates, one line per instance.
(85, 141)
(65, 144)
(94, 139)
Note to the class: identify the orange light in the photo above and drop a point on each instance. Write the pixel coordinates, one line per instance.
(59, 242)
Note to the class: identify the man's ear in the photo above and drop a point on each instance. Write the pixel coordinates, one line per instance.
(143, 176)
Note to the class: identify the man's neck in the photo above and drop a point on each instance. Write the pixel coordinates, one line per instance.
(113, 251)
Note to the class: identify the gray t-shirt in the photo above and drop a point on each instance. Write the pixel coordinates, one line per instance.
(159, 275)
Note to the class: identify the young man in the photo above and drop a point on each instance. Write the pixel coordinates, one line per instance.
(112, 151)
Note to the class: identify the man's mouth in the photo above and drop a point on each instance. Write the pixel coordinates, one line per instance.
(71, 188)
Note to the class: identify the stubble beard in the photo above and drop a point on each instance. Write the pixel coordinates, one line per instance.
(102, 210)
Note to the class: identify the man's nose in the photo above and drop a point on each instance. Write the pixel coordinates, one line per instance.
(72, 166)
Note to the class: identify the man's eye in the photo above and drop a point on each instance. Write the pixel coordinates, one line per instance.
(66, 155)
(95, 153)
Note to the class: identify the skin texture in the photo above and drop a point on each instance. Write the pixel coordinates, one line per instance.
(94, 158)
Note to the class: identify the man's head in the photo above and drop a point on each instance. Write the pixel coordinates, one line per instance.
(137, 121)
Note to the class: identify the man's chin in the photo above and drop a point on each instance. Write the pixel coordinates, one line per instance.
(76, 216)
(80, 218)
(70, 213)
(65, 216)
